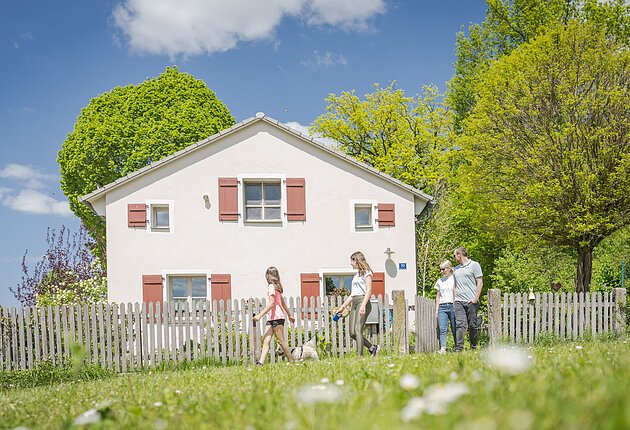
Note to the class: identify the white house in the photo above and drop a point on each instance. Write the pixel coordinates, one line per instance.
(207, 221)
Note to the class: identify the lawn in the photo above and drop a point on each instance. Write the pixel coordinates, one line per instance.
(568, 386)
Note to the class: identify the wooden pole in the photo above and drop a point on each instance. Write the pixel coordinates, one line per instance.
(619, 297)
(399, 323)
(494, 315)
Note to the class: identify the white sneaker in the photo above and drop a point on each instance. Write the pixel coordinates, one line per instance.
(374, 350)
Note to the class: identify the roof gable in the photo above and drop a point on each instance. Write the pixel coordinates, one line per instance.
(260, 117)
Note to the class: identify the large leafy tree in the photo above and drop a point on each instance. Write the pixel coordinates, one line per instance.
(510, 23)
(548, 140)
(130, 127)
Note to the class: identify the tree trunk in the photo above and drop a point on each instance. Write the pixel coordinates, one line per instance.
(584, 270)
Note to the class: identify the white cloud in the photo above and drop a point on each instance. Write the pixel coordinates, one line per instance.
(33, 201)
(324, 60)
(353, 14)
(28, 197)
(28, 175)
(331, 143)
(196, 27)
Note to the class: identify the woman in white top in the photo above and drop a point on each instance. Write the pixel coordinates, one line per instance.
(360, 296)
(444, 310)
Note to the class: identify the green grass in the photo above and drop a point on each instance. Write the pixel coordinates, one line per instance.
(566, 388)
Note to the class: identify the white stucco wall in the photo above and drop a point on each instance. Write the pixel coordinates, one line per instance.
(200, 243)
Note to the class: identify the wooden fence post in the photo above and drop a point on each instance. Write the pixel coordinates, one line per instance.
(494, 315)
(400, 322)
(619, 297)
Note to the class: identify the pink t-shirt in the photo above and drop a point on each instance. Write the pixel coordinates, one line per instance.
(277, 312)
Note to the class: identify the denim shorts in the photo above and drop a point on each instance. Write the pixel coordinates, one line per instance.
(275, 323)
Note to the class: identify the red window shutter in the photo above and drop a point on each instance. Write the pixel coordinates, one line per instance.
(378, 284)
(228, 199)
(309, 285)
(386, 214)
(152, 288)
(136, 215)
(296, 199)
(221, 287)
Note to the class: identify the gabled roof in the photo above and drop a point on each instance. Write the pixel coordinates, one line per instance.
(258, 118)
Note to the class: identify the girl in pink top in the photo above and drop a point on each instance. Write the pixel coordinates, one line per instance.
(278, 308)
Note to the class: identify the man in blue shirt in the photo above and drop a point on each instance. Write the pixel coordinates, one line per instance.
(469, 281)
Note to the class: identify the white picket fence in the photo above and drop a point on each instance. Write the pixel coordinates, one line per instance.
(520, 318)
(127, 337)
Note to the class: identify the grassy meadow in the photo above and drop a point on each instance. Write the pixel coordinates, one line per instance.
(580, 385)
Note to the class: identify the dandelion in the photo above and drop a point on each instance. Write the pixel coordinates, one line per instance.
(91, 416)
(318, 393)
(409, 382)
(511, 361)
(413, 410)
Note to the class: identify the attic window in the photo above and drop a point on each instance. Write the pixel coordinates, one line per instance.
(262, 201)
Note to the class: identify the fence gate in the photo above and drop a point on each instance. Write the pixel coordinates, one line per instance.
(426, 325)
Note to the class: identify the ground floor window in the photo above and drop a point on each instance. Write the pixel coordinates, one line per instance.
(338, 284)
(188, 289)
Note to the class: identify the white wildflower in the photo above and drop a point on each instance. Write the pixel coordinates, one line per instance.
(511, 361)
(339, 382)
(578, 346)
(324, 381)
(157, 404)
(318, 393)
(409, 382)
(445, 393)
(88, 417)
(178, 391)
(391, 365)
(413, 410)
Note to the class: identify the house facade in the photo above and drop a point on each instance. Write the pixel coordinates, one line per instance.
(207, 221)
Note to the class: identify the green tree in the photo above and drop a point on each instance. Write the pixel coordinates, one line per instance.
(130, 127)
(548, 141)
(399, 135)
(510, 23)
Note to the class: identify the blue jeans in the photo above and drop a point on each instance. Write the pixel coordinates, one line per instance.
(446, 314)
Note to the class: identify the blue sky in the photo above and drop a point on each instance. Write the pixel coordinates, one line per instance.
(281, 57)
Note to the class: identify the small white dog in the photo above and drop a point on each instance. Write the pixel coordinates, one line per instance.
(307, 351)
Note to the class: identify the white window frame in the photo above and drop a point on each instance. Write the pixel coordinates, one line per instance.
(257, 177)
(171, 216)
(166, 282)
(371, 203)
